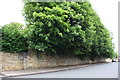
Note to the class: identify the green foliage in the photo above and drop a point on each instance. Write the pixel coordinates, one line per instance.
(116, 56)
(66, 28)
(0, 38)
(13, 39)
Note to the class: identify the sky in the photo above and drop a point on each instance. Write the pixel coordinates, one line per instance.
(11, 11)
(108, 13)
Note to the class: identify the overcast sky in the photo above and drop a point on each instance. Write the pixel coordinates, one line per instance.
(11, 11)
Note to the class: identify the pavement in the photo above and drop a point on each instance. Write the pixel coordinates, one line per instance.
(1, 75)
(39, 71)
(105, 70)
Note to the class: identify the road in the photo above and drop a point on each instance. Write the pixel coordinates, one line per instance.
(106, 70)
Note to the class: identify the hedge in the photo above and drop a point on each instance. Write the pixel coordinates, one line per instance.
(67, 28)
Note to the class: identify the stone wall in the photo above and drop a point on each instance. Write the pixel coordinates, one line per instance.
(18, 61)
(0, 61)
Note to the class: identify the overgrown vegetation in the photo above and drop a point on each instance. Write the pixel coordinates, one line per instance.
(67, 28)
(61, 28)
(13, 39)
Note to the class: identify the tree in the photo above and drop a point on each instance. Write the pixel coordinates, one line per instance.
(64, 28)
(12, 38)
(0, 38)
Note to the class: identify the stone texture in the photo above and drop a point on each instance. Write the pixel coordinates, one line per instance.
(19, 61)
(1, 61)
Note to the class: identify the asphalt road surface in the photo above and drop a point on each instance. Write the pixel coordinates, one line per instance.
(106, 70)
